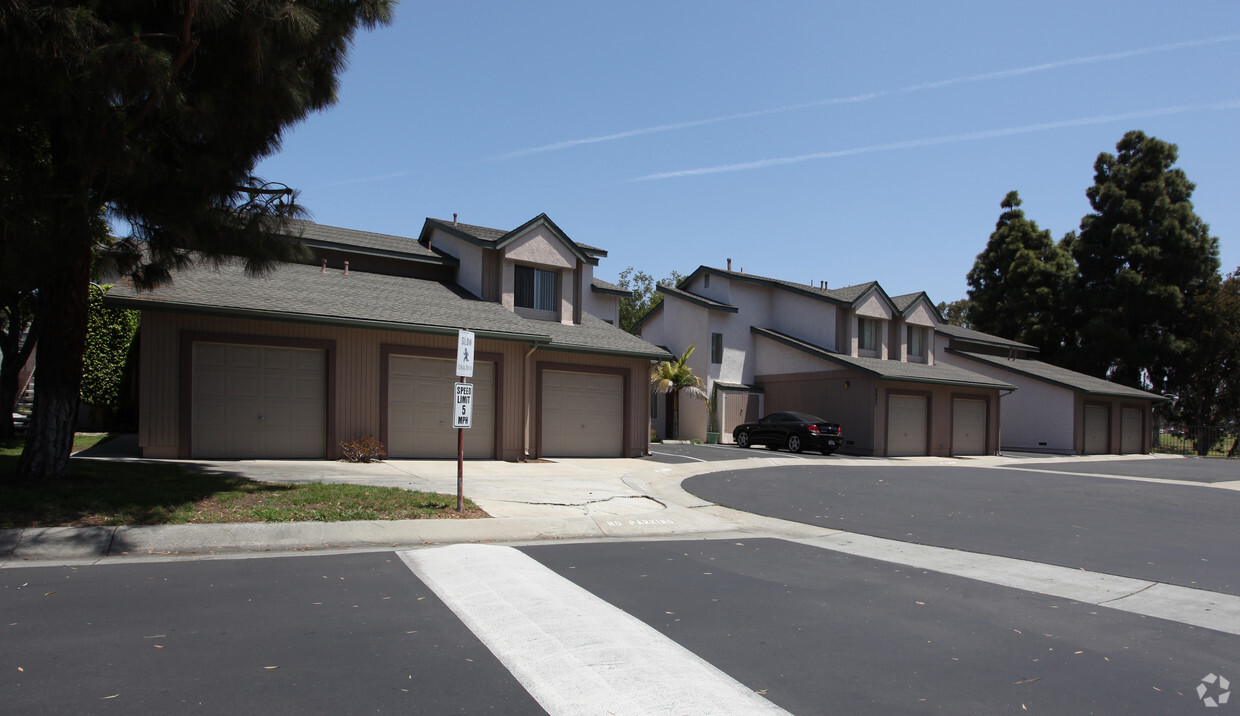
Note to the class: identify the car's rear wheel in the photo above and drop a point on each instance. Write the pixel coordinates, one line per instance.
(742, 439)
(794, 443)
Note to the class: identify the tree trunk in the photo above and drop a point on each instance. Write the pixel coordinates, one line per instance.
(60, 319)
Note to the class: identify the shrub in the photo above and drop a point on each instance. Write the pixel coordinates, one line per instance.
(364, 449)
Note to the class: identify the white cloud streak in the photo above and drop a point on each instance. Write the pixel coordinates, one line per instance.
(948, 139)
(364, 180)
(1001, 74)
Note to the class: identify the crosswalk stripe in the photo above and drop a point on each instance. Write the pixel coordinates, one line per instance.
(573, 652)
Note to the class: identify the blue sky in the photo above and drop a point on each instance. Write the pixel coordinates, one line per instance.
(807, 141)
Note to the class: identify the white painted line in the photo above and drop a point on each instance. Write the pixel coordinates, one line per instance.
(573, 652)
(1198, 607)
(671, 454)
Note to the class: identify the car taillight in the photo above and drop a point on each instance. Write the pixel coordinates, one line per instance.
(813, 429)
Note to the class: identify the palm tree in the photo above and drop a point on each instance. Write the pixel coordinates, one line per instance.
(674, 377)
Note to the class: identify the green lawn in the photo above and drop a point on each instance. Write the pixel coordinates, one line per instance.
(152, 493)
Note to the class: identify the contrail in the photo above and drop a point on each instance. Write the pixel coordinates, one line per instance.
(1091, 59)
(949, 139)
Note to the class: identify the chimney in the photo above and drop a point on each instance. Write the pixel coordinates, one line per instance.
(454, 218)
(346, 268)
(729, 264)
(324, 269)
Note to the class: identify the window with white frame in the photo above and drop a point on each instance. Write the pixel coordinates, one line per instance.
(716, 348)
(535, 288)
(916, 342)
(867, 334)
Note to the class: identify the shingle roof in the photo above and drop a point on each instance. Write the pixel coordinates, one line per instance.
(313, 234)
(845, 296)
(971, 336)
(497, 238)
(939, 373)
(696, 299)
(294, 292)
(603, 287)
(1062, 377)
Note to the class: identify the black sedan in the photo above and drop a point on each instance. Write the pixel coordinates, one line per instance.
(796, 431)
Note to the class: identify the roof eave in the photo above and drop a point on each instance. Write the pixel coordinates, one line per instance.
(316, 319)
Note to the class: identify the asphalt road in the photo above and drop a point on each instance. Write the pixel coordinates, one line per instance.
(1178, 534)
(332, 634)
(1192, 469)
(809, 630)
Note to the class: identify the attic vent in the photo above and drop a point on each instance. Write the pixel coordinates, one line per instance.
(706, 281)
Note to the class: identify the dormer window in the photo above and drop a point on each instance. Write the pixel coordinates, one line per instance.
(535, 288)
(867, 334)
(916, 342)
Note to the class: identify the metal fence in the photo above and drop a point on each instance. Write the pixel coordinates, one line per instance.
(1204, 441)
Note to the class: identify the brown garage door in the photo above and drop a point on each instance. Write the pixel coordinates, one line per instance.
(1096, 427)
(1131, 431)
(258, 402)
(420, 409)
(582, 415)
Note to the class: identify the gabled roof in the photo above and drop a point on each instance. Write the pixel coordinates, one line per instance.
(968, 335)
(938, 374)
(637, 325)
(847, 296)
(304, 294)
(904, 304)
(611, 289)
(364, 242)
(1062, 377)
(489, 238)
(693, 298)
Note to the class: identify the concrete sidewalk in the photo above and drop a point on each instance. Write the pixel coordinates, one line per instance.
(561, 499)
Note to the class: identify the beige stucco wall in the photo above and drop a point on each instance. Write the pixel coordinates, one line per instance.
(358, 378)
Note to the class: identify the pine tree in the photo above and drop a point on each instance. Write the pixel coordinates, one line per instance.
(155, 112)
(1017, 283)
(1142, 255)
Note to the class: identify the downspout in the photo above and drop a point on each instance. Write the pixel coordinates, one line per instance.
(525, 402)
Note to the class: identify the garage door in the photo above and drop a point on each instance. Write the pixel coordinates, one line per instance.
(1096, 426)
(1131, 431)
(582, 415)
(420, 400)
(968, 427)
(258, 402)
(906, 425)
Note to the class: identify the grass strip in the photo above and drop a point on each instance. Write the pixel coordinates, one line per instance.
(103, 493)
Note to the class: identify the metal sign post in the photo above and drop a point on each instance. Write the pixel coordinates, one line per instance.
(462, 407)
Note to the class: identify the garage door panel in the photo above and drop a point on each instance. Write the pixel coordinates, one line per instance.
(906, 425)
(582, 415)
(420, 400)
(1131, 431)
(968, 426)
(249, 402)
(1096, 426)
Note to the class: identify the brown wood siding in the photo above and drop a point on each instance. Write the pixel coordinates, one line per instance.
(358, 377)
(492, 265)
(837, 396)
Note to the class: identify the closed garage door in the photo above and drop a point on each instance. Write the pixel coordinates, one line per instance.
(906, 425)
(258, 402)
(1096, 426)
(582, 415)
(420, 400)
(968, 427)
(1131, 431)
